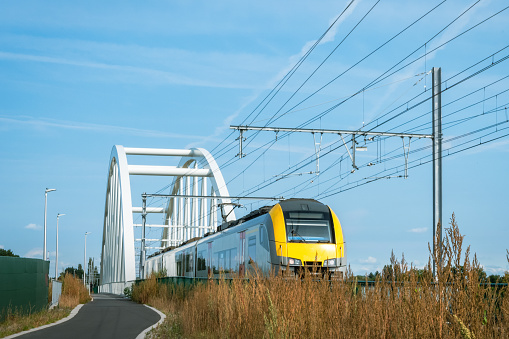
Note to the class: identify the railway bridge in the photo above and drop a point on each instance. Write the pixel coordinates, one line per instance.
(198, 202)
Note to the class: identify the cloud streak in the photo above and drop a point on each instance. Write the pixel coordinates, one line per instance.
(34, 253)
(165, 76)
(418, 230)
(33, 227)
(41, 123)
(369, 260)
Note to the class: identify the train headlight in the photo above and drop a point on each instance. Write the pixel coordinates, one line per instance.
(293, 261)
(329, 263)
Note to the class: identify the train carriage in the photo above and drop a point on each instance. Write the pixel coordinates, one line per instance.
(295, 234)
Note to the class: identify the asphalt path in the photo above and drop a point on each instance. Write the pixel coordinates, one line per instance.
(107, 316)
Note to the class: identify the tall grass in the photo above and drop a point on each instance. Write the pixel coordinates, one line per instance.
(402, 303)
(73, 292)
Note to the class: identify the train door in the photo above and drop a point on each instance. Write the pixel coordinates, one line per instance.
(242, 247)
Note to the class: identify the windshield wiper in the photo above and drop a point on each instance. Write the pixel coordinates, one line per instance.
(295, 232)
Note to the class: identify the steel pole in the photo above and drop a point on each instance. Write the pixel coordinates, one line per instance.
(437, 165)
(144, 221)
(56, 254)
(84, 261)
(45, 212)
(44, 254)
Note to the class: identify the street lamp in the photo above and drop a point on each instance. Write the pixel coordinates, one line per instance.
(44, 255)
(85, 259)
(56, 259)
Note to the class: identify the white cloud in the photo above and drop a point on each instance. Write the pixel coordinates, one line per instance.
(33, 227)
(1, 246)
(34, 253)
(494, 270)
(418, 230)
(369, 260)
(331, 34)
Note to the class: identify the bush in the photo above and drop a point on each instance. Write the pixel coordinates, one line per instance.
(73, 292)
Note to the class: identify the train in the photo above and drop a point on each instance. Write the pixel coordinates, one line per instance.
(292, 236)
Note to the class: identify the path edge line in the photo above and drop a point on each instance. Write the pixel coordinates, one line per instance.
(161, 314)
(69, 317)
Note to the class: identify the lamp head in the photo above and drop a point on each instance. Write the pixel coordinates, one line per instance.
(50, 190)
(60, 214)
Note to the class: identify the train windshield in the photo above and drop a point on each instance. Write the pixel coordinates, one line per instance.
(304, 226)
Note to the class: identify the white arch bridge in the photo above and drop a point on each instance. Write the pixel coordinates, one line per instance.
(191, 211)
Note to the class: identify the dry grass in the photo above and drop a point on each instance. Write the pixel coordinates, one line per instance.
(73, 293)
(402, 303)
(16, 322)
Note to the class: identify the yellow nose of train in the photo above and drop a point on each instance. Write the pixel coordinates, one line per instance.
(307, 234)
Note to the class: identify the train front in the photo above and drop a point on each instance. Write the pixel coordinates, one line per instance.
(307, 236)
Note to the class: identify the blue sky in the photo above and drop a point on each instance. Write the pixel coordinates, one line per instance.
(77, 79)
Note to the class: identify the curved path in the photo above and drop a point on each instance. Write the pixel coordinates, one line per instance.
(107, 316)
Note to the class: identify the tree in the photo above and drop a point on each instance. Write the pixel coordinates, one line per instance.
(78, 273)
(7, 253)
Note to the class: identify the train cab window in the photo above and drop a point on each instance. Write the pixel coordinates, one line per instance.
(304, 226)
(251, 248)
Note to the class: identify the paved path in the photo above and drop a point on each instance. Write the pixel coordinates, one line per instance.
(108, 316)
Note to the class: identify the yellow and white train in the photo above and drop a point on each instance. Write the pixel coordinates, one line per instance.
(295, 234)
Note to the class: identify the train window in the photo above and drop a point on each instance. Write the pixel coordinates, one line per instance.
(234, 260)
(179, 264)
(189, 262)
(221, 260)
(227, 261)
(200, 264)
(251, 248)
(262, 235)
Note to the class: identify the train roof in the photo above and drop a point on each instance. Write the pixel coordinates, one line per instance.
(287, 205)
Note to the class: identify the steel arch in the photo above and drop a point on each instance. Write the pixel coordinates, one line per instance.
(185, 217)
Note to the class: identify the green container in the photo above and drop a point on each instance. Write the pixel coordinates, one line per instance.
(23, 285)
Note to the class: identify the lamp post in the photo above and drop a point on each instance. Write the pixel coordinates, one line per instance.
(56, 255)
(85, 260)
(44, 255)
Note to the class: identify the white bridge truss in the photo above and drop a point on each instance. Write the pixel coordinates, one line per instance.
(190, 212)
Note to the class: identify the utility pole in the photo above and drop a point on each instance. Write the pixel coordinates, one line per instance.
(44, 254)
(437, 165)
(143, 224)
(85, 260)
(56, 254)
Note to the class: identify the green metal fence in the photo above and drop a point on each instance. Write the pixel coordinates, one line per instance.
(23, 285)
